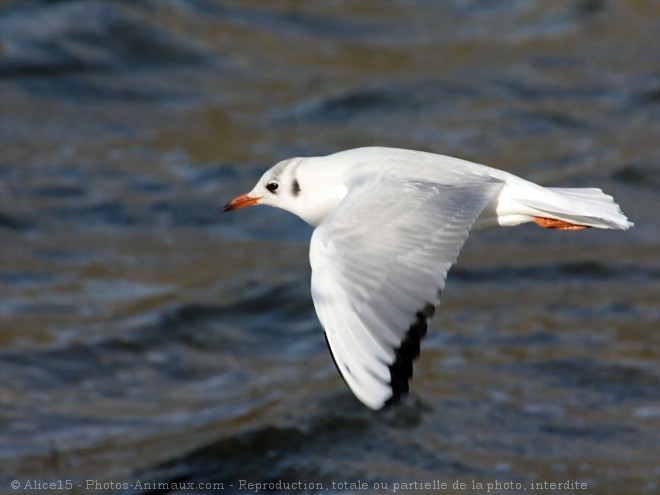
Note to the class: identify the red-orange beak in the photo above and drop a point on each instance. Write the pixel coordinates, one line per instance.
(240, 202)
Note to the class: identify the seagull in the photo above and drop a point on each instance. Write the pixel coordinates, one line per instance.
(389, 224)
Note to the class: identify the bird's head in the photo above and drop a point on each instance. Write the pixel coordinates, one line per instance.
(306, 187)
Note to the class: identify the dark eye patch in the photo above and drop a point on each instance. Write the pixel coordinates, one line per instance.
(272, 186)
(295, 187)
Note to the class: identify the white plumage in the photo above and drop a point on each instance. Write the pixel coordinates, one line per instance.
(390, 223)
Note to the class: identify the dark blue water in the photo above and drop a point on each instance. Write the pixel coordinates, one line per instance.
(146, 338)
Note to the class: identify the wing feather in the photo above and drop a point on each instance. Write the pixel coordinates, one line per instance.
(379, 264)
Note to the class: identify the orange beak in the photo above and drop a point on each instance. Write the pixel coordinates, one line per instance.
(240, 202)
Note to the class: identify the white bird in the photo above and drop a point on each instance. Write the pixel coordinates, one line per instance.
(389, 225)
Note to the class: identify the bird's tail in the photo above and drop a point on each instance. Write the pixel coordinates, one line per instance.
(578, 207)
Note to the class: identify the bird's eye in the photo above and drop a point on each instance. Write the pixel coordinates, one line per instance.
(272, 186)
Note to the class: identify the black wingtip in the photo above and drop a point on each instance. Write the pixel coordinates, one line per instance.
(401, 370)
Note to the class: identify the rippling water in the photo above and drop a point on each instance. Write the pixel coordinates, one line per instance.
(147, 337)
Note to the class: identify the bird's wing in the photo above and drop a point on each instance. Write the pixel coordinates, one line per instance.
(379, 263)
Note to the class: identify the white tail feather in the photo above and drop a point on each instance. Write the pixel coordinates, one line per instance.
(582, 206)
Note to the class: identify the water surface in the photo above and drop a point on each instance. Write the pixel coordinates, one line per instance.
(144, 336)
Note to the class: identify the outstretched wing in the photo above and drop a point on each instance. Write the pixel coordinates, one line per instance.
(379, 263)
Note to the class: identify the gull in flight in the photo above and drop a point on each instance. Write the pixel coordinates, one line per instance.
(389, 225)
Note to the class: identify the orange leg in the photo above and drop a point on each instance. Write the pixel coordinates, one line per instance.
(551, 223)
